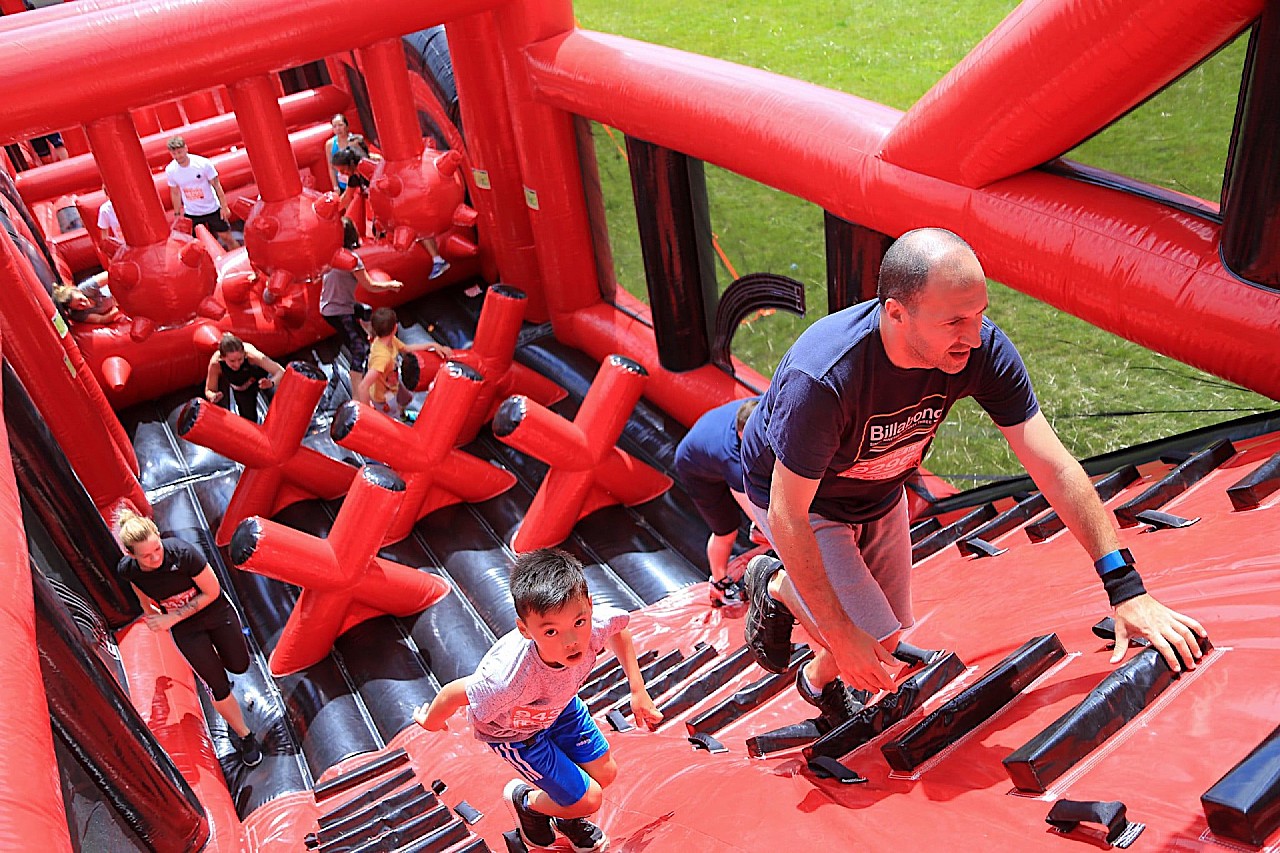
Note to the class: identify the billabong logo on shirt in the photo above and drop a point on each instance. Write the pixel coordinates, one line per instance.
(894, 443)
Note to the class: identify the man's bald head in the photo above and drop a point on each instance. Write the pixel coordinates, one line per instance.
(915, 256)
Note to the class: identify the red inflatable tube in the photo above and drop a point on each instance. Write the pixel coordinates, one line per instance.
(128, 180)
(81, 173)
(30, 786)
(266, 140)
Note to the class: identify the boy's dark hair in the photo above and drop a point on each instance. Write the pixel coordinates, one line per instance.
(384, 321)
(546, 580)
(350, 234)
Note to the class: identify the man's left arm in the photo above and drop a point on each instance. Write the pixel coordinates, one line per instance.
(1066, 486)
(223, 210)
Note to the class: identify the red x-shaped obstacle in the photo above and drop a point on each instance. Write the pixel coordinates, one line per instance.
(435, 473)
(343, 580)
(278, 470)
(490, 355)
(588, 471)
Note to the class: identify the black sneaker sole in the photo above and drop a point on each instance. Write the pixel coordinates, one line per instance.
(759, 572)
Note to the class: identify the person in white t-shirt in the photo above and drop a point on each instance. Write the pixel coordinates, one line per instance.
(108, 222)
(197, 192)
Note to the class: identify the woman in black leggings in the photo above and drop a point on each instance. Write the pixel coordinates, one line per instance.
(239, 369)
(180, 593)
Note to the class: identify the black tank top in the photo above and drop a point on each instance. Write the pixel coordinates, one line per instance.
(241, 376)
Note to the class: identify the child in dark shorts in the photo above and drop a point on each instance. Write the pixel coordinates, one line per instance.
(522, 701)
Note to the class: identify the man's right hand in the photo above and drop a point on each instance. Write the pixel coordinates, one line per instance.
(861, 659)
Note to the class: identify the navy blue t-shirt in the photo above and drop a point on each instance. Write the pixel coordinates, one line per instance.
(709, 464)
(839, 411)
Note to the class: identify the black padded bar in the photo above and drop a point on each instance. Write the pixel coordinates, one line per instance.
(1023, 510)
(963, 713)
(894, 708)
(357, 803)
(410, 837)
(1176, 482)
(603, 700)
(363, 773)
(1254, 488)
(1117, 699)
(425, 806)
(788, 737)
(1107, 488)
(936, 541)
(613, 676)
(374, 809)
(710, 681)
(925, 528)
(748, 698)
(475, 845)
(702, 654)
(1245, 803)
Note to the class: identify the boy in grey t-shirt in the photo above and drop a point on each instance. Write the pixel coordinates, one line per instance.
(522, 700)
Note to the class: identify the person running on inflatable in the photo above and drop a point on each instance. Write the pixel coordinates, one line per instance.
(523, 702)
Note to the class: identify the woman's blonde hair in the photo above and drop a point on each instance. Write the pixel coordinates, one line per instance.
(135, 529)
(62, 295)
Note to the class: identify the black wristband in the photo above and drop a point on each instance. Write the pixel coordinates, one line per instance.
(1123, 584)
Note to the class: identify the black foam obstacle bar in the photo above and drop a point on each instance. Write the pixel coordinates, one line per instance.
(699, 689)
(606, 698)
(1107, 488)
(1245, 803)
(1117, 699)
(363, 773)
(1254, 487)
(748, 698)
(1175, 482)
(935, 542)
(892, 709)
(1004, 522)
(963, 713)
(660, 684)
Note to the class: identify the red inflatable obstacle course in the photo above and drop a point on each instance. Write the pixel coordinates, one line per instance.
(278, 469)
(491, 356)
(343, 580)
(588, 471)
(435, 472)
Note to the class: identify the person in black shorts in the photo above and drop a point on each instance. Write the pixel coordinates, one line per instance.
(179, 593)
(239, 369)
(49, 148)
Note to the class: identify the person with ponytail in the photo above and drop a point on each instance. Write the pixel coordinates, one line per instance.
(179, 593)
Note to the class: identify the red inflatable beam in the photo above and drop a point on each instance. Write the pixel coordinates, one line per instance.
(587, 470)
(278, 470)
(490, 355)
(343, 580)
(435, 473)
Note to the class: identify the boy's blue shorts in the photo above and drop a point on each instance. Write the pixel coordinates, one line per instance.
(553, 758)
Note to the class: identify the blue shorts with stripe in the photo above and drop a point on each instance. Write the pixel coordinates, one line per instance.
(552, 759)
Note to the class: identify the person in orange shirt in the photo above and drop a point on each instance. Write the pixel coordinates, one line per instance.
(380, 386)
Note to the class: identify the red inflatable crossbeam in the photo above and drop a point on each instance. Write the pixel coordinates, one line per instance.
(491, 355)
(435, 473)
(588, 471)
(278, 470)
(343, 580)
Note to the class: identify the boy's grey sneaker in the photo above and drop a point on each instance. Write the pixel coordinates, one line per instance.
(250, 750)
(584, 836)
(769, 622)
(837, 702)
(534, 827)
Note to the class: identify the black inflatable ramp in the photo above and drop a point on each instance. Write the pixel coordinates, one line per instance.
(961, 714)
(875, 719)
(1117, 699)
(1244, 805)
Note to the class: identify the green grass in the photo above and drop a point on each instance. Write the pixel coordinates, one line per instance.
(1100, 392)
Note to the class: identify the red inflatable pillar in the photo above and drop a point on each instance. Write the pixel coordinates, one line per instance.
(416, 192)
(343, 580)
(588, 471)
(549, 162)
(497, 189)
(290, 233)
(278, 470)
(436, 474)
(162, 277)
(491, 356)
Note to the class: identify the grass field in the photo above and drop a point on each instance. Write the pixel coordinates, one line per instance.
(1100, 392)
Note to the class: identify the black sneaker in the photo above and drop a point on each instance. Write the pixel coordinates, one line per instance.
(534, 827)
(584, 836)
(837, 703)
(769, 622)
(250, 751)
(727, 593)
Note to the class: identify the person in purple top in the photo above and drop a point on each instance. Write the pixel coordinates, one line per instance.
(847, 419)
(708, 465)
(523, 701)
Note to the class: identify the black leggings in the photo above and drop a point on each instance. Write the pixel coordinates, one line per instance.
(215, 650)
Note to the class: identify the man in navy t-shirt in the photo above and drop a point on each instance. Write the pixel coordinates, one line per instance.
(847, 419)
(709, 467)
